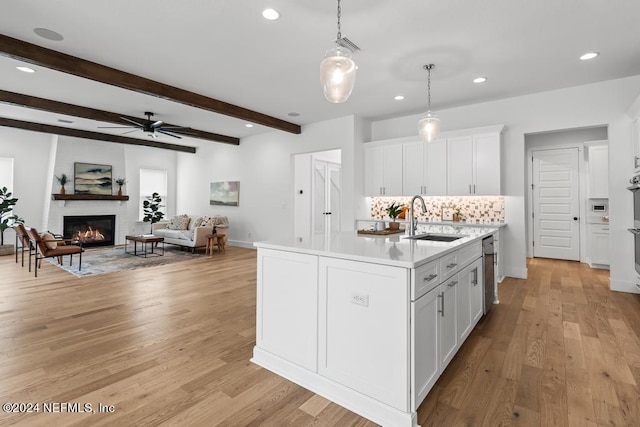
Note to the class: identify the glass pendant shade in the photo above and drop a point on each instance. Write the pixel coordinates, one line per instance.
(429, 127)
(337, 74)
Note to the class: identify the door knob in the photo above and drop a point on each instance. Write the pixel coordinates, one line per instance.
(575, 218)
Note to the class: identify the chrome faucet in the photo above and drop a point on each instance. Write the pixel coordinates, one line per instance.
(412, 220)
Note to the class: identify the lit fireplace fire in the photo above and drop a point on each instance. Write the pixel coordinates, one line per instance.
(90, 235)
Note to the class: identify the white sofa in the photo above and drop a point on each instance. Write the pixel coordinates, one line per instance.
(194, 236)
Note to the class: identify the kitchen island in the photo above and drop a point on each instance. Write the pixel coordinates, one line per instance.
(369, 322)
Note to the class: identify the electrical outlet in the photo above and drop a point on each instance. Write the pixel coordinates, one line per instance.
(360, 299)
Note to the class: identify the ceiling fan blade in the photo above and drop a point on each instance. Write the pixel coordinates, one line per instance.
(132, 121)
(131, 131)
(164, 132)
(115, 127)
(156, 124)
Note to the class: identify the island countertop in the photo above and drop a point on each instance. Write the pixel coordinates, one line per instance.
(394, 250)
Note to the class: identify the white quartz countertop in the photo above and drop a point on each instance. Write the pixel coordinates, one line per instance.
(361, 222)
(394, 250)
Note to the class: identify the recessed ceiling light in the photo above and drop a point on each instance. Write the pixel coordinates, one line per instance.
(398, 97)
(589, 55)
(270, 14)
(248, 125)
(293, 114)
(48, 34)
(480, 80)
(26, 69)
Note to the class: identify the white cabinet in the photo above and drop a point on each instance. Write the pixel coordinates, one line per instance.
(598, 171)
(288, 326)
(635, 136)
(473, 165)
(363, 326)
(476, 293)
(383, 170)
(424, 168)
(599, 245)
(426, 354)
(447, 330)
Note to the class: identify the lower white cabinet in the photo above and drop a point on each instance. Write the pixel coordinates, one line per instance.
(447, 327)
(599, 245)
(476, 291)
(287, 326)
(425, 358)
(363, 326)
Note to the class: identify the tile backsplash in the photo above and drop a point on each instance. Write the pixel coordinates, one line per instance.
(474, 209)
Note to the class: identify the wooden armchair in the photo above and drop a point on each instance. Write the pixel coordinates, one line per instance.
(45, 248)
(22, 240)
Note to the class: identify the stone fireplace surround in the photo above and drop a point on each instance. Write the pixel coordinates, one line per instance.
(58, 209)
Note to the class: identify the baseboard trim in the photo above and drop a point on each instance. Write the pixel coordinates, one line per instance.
(350, 399)
(624, 286)
(240, 243)
(518, 273)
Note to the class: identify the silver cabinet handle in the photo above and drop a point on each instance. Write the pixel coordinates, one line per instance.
(470, 189)
(475, 276)
(429, 278)
(452, 284)
(441, 296)
(453, 264)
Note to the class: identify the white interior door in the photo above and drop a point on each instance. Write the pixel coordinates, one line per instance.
(556, 204)
(326, 196)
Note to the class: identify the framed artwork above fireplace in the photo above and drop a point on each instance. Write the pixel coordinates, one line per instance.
(91, 178)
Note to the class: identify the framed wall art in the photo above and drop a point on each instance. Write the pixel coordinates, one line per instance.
(90, 178)
(225, 193)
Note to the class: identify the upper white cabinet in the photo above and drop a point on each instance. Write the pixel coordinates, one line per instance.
(383, 170)
(460, 163)
(598, 171)
(424, 168)
(473, 164)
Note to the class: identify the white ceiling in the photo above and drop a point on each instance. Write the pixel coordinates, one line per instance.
(224, 49)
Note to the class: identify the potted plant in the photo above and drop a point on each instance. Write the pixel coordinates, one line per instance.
(151, 208)
(7, 218)
(394, 210)
(457, 214)
(120, 182)
(62, 180)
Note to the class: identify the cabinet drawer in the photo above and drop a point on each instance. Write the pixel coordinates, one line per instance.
(451, 263)
(425, 278)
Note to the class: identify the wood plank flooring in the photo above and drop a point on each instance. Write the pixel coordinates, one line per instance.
(170, 346)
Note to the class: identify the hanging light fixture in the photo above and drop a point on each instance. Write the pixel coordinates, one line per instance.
(429, 126)
(337, 69)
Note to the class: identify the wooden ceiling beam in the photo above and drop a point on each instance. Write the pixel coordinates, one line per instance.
(28, 101)
(58, 130)
(27, 52)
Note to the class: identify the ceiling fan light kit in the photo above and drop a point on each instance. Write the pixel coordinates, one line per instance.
(337, 69)
(429, 125)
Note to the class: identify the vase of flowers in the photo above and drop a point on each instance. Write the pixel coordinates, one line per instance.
(62, 180)
(120, 182)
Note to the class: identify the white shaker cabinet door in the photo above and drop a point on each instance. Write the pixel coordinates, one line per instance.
(486, 152)
(373, 171)
(460, 166)
(425, 357)
(286, 306)
(447, 330)
(477, 291)
(413, 168)
(436, 168)
(364, 328)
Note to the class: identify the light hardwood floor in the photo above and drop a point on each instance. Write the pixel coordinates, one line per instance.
(170, 345)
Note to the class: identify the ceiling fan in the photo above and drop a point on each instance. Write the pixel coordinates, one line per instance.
(151, 127)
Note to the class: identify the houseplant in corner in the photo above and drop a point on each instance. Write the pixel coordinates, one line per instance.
(62, 180)
(393, 211)
(7, 218)
(151, 208)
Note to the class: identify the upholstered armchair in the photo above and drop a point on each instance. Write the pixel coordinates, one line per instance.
(47, 247)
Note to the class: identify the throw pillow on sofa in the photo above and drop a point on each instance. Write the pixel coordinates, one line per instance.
(179, 222)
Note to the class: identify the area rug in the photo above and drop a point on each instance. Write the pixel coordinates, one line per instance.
(108, 260)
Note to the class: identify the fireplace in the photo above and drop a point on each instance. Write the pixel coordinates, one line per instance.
(93, 230)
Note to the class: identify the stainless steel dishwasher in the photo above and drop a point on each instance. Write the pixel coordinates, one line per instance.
(488, 261)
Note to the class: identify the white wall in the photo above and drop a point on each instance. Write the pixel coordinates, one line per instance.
(601, 104)
(264, 165)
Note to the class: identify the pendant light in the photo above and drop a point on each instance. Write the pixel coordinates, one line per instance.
(429, 126)
(337, 69)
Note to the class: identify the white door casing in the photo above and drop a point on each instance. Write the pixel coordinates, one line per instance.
(556, 204)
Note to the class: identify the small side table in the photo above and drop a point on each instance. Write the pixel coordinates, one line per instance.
(219, 240)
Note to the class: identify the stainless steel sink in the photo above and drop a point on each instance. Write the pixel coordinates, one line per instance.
(435, 237)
